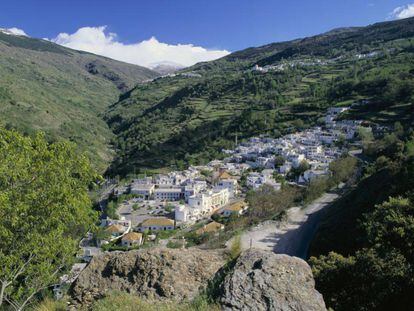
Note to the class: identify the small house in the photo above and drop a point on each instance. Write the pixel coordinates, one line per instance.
(234, 209)
(132, 239)
(156, 224)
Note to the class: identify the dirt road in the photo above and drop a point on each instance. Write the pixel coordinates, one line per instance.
(293, 236)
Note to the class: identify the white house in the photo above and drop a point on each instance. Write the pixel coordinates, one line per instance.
(182, 213)
(131, 239)
(297, 159)
(185, 213)
(234, 209)
(219, 198)
(164, 180)
(312, 174)
(201, 201)
(230, 185)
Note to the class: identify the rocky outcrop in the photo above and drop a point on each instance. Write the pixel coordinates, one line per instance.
(263, 280)
(155, 273)
(259, 280)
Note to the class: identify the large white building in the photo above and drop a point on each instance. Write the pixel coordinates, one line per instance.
(210, 201)
(145, 190)
(168, 194)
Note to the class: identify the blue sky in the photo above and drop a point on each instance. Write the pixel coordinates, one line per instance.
(214, 24)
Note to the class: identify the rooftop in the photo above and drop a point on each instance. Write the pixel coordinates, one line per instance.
(210, 227)
(236, 207)
(170, 190)
(142, 186)
(158, 221)
(115, 229)
(225, 175)
(132, 236)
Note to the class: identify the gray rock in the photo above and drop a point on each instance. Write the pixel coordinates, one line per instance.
(157, 273)
(262, 280)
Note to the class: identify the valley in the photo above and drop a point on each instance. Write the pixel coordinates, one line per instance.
(123, 186)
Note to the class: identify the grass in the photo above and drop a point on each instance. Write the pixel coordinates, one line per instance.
(128, 302)
(50, 304)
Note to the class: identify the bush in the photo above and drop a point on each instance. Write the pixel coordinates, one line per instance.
(175, 244)
(235, 248)
(379, 276)
(316, 188)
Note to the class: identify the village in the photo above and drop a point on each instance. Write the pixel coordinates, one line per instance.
(152, 208)
(179, 199)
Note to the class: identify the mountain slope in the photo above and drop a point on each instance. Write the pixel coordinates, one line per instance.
(189, 117)
(44, 86)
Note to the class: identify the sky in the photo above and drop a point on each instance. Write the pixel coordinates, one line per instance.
(187, 31)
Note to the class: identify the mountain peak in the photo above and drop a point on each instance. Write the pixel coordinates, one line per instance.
(13, 31)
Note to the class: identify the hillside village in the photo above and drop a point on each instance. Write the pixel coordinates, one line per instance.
(181, 199)
(153, 208)
(307, 62)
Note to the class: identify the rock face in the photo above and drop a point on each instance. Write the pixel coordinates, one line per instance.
(263, 280)
(150, 273)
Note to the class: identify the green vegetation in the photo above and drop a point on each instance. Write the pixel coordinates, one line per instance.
(130, 302)
(111, 209)
(44, 210)
(264, 204)
(342, 169)
(235, 248)
(175, 121)
(362, 254)
(49, 304)
(377, 277)
(297, 171)
(44, 86)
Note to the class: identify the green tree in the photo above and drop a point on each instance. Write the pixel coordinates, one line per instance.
(297, 171)
(380, 276)
(342, 169)
(44, 210)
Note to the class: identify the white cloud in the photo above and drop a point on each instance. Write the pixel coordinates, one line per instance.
(14, 31)
(404, 11)
(146, 53)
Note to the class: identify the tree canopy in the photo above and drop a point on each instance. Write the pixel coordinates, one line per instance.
(44, 210)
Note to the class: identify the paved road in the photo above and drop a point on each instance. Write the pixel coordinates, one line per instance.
(293, 236)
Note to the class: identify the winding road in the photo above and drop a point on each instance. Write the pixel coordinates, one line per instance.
(293, 236)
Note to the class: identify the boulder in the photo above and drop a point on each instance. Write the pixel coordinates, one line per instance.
(157, 273)
(262, 280)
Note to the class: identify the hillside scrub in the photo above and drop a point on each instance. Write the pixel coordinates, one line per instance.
(385, 265)
(362, 256)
